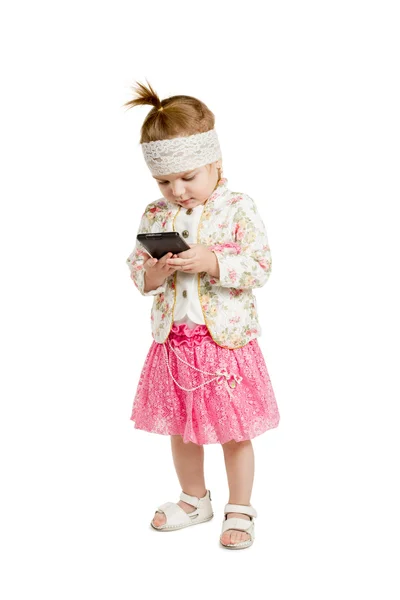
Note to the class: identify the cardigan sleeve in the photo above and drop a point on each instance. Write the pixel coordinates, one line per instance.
(246, 262)
(137, 258)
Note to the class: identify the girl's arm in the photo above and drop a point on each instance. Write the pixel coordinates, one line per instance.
(136, 259)
(247, 262)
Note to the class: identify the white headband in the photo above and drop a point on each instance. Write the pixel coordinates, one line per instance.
(181, 153)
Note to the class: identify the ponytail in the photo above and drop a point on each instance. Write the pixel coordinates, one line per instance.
(175, 116)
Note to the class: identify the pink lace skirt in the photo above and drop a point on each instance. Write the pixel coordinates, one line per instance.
(227, 396)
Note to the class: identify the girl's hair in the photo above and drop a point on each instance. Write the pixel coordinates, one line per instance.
(180, 115)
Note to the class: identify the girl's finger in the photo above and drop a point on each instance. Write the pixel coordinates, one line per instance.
(163, 260)
(150, 263)
(175, 264)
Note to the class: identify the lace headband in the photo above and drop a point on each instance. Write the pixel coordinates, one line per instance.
(181, 153)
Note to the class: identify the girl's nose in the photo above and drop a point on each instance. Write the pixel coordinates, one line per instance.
(178, 190)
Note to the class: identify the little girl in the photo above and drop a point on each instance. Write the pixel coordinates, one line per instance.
(204, 380)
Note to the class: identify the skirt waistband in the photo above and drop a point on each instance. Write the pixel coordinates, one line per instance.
(181, 333)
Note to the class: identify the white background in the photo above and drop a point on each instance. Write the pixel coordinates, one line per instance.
(306, 97)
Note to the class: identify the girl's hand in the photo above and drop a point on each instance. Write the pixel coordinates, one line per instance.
(157, 271)
(159, 267)
(196, 260)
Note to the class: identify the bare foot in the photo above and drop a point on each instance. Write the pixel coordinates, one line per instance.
(232, 536)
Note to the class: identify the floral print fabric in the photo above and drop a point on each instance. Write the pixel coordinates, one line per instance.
(232, 226)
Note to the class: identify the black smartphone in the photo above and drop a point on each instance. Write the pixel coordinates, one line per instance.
(159, 244)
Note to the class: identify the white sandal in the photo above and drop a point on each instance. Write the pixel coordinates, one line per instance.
(239, 524)
(177, 518)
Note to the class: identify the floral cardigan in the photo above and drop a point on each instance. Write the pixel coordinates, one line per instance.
(232, 227)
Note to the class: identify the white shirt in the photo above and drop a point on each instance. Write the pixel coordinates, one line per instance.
(187, 306)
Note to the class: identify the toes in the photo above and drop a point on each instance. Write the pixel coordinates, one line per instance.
(232, 536)
(239, 536)
(159, 519)
(226, 538)
(235, 537)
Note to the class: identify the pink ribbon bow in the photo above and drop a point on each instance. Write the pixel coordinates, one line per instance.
(230, 379)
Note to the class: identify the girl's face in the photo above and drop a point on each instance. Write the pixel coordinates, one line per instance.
(191, 188)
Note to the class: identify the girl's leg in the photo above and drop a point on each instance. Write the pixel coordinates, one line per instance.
(239, 462)
(189, 466)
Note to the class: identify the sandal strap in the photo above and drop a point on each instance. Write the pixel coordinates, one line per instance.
(238, 524)
(193, 500)
(174, 514)
(240, 508)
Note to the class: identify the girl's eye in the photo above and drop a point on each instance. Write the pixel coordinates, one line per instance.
(188, 179)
